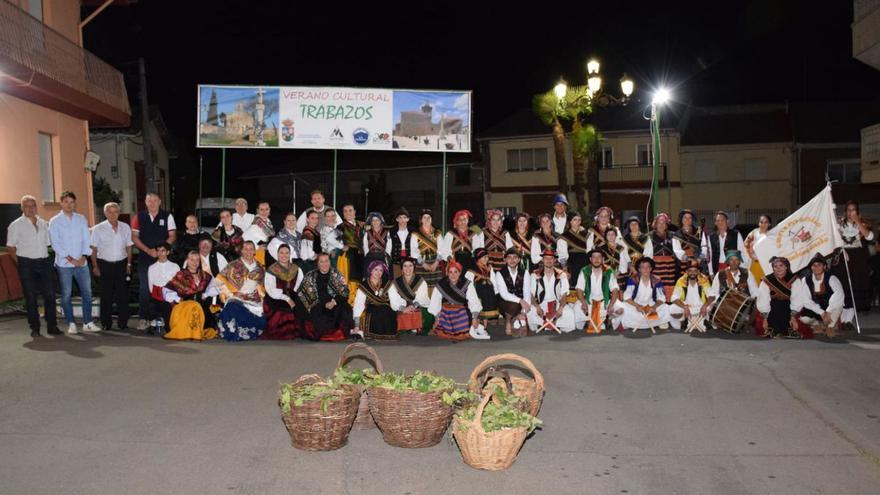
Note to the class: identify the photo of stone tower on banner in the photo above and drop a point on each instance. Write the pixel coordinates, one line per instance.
(301, 117)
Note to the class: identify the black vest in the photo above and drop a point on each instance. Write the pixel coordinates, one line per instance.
(743, 282)
(514, 287)
(212, 262)
(662, 245)
(152, 232)
(824, 298)
(730, 244)
(397, 248)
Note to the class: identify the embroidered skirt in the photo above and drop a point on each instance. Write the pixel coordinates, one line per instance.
(238, 323)
(379, 322)
(281, 323)
(187, 322)
(453, 322)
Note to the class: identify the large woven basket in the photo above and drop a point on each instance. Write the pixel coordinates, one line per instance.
(480, 449)
(364, 420)
(312, 428)
(531, 389)
(409, 419)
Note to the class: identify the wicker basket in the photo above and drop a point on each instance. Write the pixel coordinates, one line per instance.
(364, 420)
(312, 428)
(410, 419)
(480, 449)
(530, 389)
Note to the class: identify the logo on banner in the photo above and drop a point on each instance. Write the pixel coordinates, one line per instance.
(382, 138)
(287, 130)
(361, 136)
(336, 135)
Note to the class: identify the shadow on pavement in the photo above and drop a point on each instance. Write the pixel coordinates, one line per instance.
(86, 345)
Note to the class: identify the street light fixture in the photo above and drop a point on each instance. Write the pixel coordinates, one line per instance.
(661, 96)
(593, 66)
(561, 89)
(626, 85)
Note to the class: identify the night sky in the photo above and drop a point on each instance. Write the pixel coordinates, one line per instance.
(759, 51)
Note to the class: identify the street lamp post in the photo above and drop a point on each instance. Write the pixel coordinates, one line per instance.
(660, 98)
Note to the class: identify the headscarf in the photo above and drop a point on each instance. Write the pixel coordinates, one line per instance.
(658, 217)
(492, 213)
(733, 253)
(461, 213)
(453, 264)
(604, 208)
(375, 214)
(783, 260)
(376, 263)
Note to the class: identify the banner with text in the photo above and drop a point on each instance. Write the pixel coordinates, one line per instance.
(810, 230)
(306, 117)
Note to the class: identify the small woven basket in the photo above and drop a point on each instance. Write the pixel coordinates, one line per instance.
(410, 419)
(492, 451)
(312, 428)
(531, 389)
(364, 419)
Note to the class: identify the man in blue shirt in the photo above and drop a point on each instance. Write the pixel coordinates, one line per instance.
(70, 239)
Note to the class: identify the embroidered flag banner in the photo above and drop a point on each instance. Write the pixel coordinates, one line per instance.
(811, 229)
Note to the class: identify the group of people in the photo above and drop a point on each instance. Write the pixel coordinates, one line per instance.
(328, 276)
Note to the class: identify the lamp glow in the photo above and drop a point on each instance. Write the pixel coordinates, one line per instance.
(661, 96)
(593, 66)
(626, 86)
(560, 89)
(594, 83)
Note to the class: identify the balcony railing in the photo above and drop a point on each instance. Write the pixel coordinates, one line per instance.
(34, 52)
(630, 173)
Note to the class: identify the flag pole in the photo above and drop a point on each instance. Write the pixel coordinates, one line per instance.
(853, 295)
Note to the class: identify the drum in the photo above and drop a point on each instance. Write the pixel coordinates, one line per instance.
(733, 311)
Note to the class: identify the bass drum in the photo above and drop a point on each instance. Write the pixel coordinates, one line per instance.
(733, 311)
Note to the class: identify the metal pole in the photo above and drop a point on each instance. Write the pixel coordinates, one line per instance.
(655, 134)
(443, 201)
(849, 278)
(293, 191)
(150, 174)
(223, 179)
(334, 177)
(366, 201)
(201, 168)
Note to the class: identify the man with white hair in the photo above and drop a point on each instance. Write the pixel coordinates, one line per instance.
(27, 242)
(111, 263)
(241, 218)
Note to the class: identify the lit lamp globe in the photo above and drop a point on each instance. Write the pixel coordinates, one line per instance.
(661, 96)
(627, 86)
(593, 66)
(560, 89)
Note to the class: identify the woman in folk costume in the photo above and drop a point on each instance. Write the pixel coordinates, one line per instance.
(402, 242)
(598, 295)
(483, 278)
(260, 232)
(666, 265)
(691, 299)
(572, 249)
(514, 294)
(521, 237)
(777, 313)
(455, 305)
(373, 316)
(281, 304)
(645, 300)
(191, 291)
(637, 244)
(241, 289)
(410, 298)
(601, 224)
(429, 266)
(615, 257)
(755, 236)
(288, 236)
(324, 294)
(543, 239)
(187, 241)
(351, 262)
(310, 242)
(687, 239)
(549, 290)
(331, 237)
(461, 241)
(227, 236)
(375, 242)
(495, 239)
(857, 235)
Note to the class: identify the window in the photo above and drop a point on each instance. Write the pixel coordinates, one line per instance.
(607, 157)
(643, 155)
(527, 159)
(47, 167)
(847, 171)
(463, 176)
(35, 7)
(755, 168)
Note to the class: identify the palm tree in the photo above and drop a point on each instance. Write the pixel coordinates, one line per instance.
(546, 107)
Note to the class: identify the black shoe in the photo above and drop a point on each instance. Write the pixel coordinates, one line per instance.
(123, 328)
(54, 331)
(35, 333)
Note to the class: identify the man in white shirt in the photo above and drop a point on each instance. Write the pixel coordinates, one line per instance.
(514, 291)
(691, 301)
(597, 294)
(820, 296)
(549, 290)
(645, 300)
(317, 199)
(159, 274)
(111, 264)
(402, 243)
(27, 241)
(715, 245)
(69, 234)
(733, 276)
(241, 218)
(212, 261)
(560, 214)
